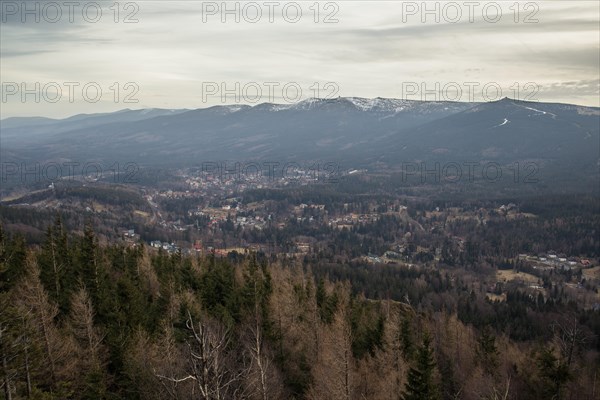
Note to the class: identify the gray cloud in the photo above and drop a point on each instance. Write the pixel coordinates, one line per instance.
(170, 52)
(21, 53)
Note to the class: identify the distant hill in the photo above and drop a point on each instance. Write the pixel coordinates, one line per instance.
(509, 130)
(355, 131)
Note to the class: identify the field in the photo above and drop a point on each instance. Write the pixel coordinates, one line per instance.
(591, 273)
(510, 275)
(496, 297)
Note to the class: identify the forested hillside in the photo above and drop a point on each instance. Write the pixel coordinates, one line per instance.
(83, 321)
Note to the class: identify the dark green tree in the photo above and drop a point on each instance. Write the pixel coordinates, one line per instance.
(54, 262)
(487, 352)
(327, 304)
(553, 375)
(420, 384)
(406, 339)
(88, 258)
(13, 255)
(219, 291)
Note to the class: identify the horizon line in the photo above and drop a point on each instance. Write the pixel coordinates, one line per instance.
(295, 103)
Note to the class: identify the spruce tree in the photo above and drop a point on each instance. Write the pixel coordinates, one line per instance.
(88, 258)
(487, 352)
(420, 385)
(54, 262)
(407, 345)
(553, 374)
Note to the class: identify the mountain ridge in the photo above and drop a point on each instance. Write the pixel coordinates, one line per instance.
(355, 131)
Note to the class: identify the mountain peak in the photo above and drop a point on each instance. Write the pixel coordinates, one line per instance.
(504, 100)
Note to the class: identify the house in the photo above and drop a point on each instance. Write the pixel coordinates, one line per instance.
(220, 252)
(391, 254)
(303, 247)
(373, 258)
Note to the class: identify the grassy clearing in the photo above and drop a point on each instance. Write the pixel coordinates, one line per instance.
(591, 273)
(510, 275)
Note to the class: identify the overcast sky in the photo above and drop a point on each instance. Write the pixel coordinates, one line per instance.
(181, 54)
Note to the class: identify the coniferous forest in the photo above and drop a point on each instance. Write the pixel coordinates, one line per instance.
(81, 320)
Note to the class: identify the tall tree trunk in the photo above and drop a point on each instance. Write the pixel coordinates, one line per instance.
(258, 354)
(55, 269)
(48, 350)
(346, 374)
(27, 372)
(7, 393)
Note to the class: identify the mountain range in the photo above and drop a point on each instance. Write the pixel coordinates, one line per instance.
(359, 132)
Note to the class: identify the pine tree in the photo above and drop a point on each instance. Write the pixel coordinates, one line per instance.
(407, 345)
(13, 255)
(89, 260)
(420, 385)
(553, 374)
(9, 346)
(487, 352)
(54, 265)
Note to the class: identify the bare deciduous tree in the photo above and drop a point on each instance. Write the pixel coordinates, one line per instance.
(209, 360)
(334, 371)
(8, 373)
(499, 394)
(39, 314)
(81, 322)
(262, 379)
(569, 337)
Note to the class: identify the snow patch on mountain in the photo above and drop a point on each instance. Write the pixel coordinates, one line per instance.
(506, 121)
(379, 104)
(306, 104)
(388, 107)
(235, 107)
(281, 107)
(540, 111)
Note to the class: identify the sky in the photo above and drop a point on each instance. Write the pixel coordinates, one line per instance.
(61, 58)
